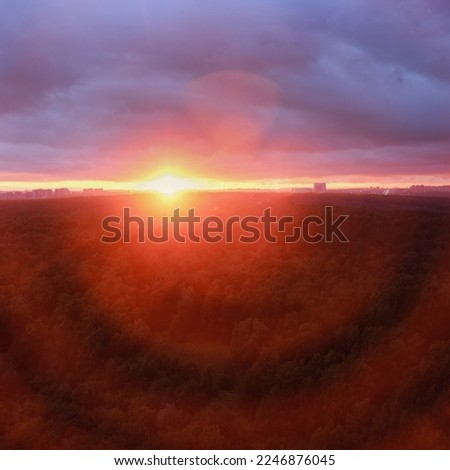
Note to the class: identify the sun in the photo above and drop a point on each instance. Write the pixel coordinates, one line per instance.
(169, 184)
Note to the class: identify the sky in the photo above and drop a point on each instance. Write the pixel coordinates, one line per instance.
(280, 91)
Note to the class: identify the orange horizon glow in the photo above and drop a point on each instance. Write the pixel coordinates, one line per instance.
(171, 182)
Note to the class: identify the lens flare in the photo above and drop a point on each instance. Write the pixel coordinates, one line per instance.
(170, 184)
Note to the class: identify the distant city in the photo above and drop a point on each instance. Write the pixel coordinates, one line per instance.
(415, 190)
(320, 187)
(50, 193)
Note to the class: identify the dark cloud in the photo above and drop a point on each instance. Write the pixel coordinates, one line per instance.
(255, 89)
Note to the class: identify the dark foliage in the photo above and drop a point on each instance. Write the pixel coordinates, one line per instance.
(225, 345)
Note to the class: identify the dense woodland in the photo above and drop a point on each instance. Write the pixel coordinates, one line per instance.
(145, 346)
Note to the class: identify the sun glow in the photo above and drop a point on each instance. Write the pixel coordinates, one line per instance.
(169, 184)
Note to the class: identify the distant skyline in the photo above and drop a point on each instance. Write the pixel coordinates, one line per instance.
(196, 185)
(95, 93)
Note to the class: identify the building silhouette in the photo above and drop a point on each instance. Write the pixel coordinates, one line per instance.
(320, 187)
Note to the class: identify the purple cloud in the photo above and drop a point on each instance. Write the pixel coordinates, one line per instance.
(251, 89)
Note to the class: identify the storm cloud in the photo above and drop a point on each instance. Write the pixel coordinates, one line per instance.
(305, 88)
